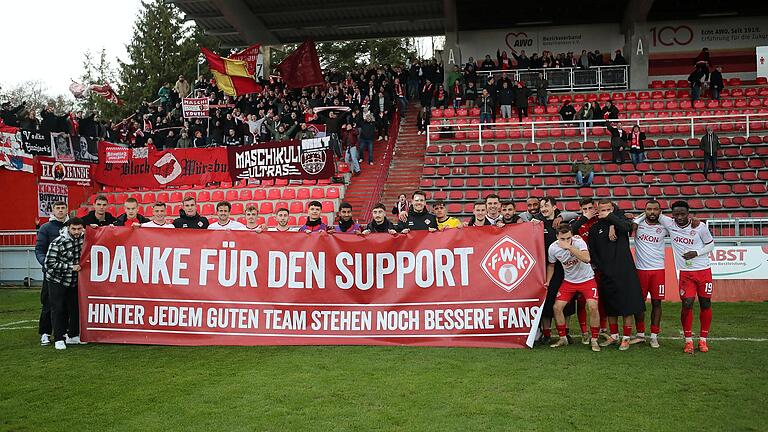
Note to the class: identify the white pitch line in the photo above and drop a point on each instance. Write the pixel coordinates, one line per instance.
(724, 338)
(16, 322)
(16, 328)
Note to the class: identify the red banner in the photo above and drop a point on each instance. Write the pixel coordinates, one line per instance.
(473, 287)
(175, 167)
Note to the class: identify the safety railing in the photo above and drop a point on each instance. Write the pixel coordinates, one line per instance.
(568, 79)
(18, 238)
(690, 126)
(740, 227)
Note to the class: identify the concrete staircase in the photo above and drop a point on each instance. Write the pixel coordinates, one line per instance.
(407, 161)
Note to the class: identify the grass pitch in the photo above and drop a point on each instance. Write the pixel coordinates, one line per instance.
(132, 387)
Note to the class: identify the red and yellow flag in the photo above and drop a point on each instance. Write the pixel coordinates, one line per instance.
(231, 75)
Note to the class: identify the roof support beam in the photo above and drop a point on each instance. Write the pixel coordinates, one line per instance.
(250, 27)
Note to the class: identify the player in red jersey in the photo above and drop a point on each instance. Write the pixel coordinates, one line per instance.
(691, 246)
(649, 260)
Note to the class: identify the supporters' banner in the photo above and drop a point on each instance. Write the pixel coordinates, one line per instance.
(47, 194)
(85, 149)
(304, 159)
(249, 55)
(176, 167)
(12, 154)
(36, 143)
(474, 287)
(317, 129)
(301, 68)
(195, 107)
(117, 155)
(61, 147)
(77, 173)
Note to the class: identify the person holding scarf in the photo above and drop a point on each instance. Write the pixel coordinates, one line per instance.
(457, 94)
(636, 146)
(441, 97)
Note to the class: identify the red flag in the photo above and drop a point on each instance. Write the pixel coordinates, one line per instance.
(105, 91)
(302, 67)
(249, 56)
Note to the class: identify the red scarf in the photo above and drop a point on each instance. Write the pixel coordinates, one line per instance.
(635, 140)
(441, 94)
(456, 89)
(398, 89)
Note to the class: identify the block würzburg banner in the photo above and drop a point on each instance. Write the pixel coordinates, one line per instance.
(473, 287)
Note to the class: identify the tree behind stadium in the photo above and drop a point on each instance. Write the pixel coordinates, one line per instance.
(163, 47)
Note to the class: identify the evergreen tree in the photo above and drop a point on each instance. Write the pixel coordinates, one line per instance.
(351, 54)
(163, 47)
(98, 71)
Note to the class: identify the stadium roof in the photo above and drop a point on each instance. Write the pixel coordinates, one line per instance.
(239, 23)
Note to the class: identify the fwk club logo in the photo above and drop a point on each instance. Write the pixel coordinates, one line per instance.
(508, 263)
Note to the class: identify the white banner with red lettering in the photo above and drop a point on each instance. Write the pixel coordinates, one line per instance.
(474, 287)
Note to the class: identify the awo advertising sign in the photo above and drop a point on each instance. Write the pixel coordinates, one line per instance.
(476, 287)
(51, 170)
(175, 167)
(306, 159)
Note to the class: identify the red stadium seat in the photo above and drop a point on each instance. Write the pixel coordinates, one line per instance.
(175, 197)
(207, 210)
(266, 208)
(217, 196)
(232, 195)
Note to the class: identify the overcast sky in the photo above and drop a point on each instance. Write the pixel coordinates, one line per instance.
(45, 39)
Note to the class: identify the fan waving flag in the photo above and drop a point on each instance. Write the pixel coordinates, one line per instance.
(302, 67)
(105, 91)
(231, 75)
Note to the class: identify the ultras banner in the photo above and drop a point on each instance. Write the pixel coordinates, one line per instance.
(473, 287)
(308, 159)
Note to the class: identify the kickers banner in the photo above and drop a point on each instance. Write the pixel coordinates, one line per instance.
(309, 159)
(177, 167)
(474, 287)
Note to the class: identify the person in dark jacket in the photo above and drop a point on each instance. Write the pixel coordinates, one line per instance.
(710, 143)
(380, 223)
(619, 286)
(487, 107)
(505, 98)
(636, 145)
(45, 235)
(99, 216)
(9, 115)
(716, 82)
(696, 79)
(567, 111)
(367, 135)
(418, 218)
(189, 217)
(131, 217)
(618, 141)
(521, 100)
(62, 263)
(608, 112)
(427, 93)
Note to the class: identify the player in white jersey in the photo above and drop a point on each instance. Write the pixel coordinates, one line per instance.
(282, 217)
(252, 219)
(649, 260)
(158, 217)
(691, 246)
(579, 277)
(225, 222)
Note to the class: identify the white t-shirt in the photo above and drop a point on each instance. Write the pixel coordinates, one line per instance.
(649, 245)
(688, 239)
(290, 229)
(230, 225)
(576, 271)
(153, 224)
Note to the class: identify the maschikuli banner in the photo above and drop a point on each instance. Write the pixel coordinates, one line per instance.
(310, 159)
(474, 287)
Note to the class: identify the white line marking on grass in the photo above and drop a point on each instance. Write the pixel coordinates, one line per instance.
(16, 328)
(724, 338)
(16, 322)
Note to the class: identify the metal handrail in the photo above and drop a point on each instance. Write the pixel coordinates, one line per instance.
(582, 124)
(599, 84)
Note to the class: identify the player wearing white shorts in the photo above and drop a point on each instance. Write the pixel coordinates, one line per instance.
(579, 277)
(649, 260)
